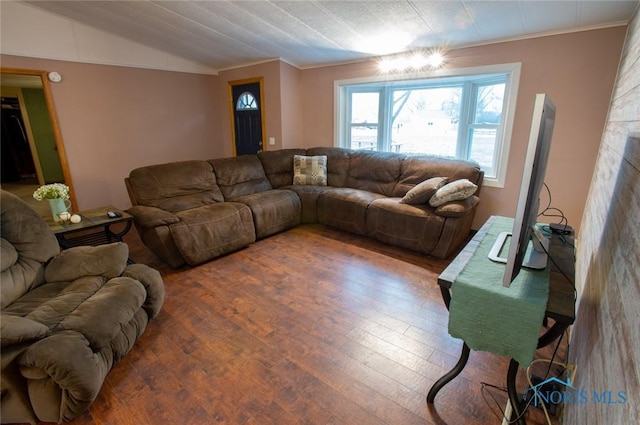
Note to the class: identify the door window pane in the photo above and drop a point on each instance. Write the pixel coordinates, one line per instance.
(247, 102)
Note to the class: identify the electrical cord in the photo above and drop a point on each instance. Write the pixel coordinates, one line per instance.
(563, 232)
(535, 389)
(502, 415)
(546, 375)
(484, 390)
(563, 219)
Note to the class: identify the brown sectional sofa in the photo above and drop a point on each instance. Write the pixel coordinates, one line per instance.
(193, 211)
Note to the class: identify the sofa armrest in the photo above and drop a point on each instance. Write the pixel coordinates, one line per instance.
(64, 375)
(17, 329)
(73, 263)
(146, 216)
(152, 282)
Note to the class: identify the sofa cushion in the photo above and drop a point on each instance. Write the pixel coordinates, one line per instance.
(345, 208)
(310, 170)
(210, 231)
(240, 175)
(416, 169)
(95, 306)
(414, 227)
(273, 210)
(277, 165)
(27, 243)
(309, 201)
(374, 171)
(175, 186)
(454, 191)
(338, 160)
(26, 230)
(422, 192)
(457, 208)
(102, 260)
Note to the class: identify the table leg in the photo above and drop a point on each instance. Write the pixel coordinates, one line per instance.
(552, 334)
(517, 416)
(113, 236)
(462, 361)
(446, 296)
(448, 377)
(62, 241)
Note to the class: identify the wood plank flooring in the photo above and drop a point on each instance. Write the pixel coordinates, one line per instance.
(310, 326)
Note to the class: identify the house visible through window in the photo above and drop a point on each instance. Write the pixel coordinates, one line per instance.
(467, 116)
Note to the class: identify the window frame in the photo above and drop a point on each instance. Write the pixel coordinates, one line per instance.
(482, 75)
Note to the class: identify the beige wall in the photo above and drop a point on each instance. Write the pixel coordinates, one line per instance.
(291, 94)
(114, 119)
(605, 342)
(577, 70)
(270, 73)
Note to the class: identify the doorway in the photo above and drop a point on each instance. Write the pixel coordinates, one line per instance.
(247, 115)
(17, 161)
(32, 150)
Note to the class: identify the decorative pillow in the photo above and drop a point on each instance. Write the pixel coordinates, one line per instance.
(454, 191)
(422, 192)
(310, 170)
(457, 208)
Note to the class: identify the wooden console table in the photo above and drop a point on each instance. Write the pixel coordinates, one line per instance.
(560, 305)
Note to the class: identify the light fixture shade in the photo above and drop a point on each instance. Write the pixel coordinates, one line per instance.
(415, 62)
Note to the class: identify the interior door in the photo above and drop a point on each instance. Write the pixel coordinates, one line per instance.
(247, 116)
(17, 161)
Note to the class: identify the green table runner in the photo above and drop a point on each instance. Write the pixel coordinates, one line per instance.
(490, 317)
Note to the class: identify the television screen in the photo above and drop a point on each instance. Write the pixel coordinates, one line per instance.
(527, 246)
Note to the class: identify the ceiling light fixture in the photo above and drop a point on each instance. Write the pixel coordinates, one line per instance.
(414, 62)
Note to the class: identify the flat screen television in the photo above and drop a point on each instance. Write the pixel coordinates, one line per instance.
(527, 246)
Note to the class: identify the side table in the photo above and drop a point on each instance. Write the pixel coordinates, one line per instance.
(94, 229)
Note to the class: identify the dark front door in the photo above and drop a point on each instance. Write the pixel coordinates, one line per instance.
(246, 102)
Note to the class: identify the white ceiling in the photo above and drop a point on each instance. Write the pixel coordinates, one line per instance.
(224, 34)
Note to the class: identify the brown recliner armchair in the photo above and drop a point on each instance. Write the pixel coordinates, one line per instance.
(66, 317)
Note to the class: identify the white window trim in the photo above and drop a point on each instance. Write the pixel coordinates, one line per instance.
(511, 96)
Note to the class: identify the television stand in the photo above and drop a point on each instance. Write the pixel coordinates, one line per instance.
(560, 305)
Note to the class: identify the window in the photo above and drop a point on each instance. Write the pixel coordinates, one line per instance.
(247, 102)
(467, 115)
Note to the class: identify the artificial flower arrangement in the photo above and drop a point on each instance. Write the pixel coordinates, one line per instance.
(52, 191)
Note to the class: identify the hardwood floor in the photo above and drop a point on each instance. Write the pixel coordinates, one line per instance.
(310, 326)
